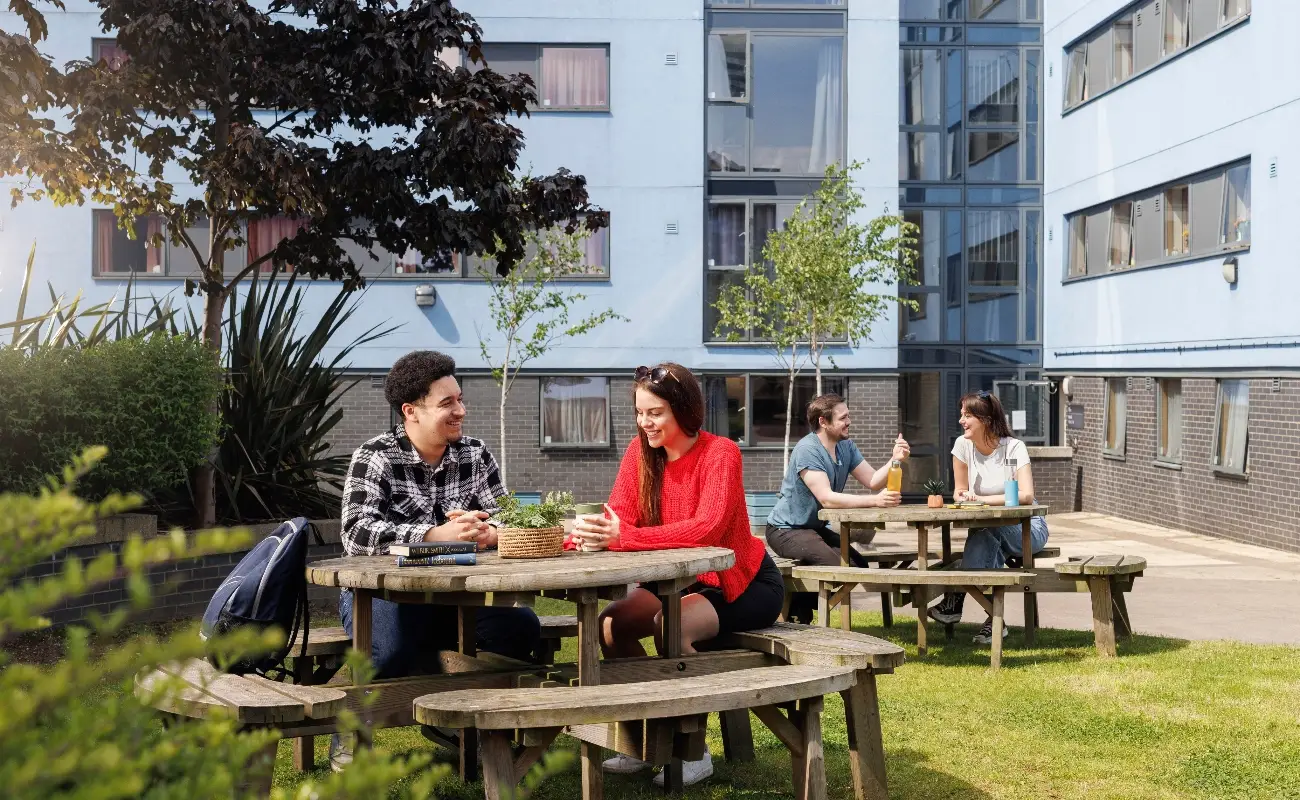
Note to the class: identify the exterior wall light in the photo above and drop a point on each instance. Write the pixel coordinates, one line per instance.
(1230, 270)
(426, 295)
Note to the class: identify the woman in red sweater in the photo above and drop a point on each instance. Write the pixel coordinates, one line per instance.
(679, 486)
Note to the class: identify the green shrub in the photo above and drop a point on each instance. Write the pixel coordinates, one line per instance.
(149, 400)
(76, 730)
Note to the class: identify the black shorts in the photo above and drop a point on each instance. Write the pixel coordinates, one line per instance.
(757, 607)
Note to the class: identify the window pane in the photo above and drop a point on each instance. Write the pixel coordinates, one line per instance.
(595, 252)
(1033, 251)
(117, 252)
(994, 156)
(920, 90)
(918, 157)
(1099, 57)
(1230, 437)
(713, 285)
(1078, 246)
(1147, 35)
(1177, 232)
(1122, 63)
(992, 87)
(1236, 207)
(928, 244)
(1076, 82)
(953, 82)
(993, 249)
(728, 138)
(1206, 213)
(993, 318)
(724, 406)
(511, 59)
(1169, 445)
(1235, 8)
(994, 11)
(575, 77)
(1175, 14)
(383, 262)
(798, 2)
(727, 235)
(920, 324)
(798, 103)
(106, 50)
(1148, 229)
(768, 217)
(953, 288)
(767, 414)
(180, 260)
(1121, 235)
(264, 235)
(1204, 19)
(728, 66)
(1116, 411)
(1098, 237)
(575, 411)
(930, 9)
(919, 399)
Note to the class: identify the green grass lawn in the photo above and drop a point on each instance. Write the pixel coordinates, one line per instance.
(1168, 719)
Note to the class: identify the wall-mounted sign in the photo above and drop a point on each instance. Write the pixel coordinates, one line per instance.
(1074, 417)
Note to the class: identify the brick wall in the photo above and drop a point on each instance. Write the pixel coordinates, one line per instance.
(589, 474)
(1262, 510)
(1055, 480)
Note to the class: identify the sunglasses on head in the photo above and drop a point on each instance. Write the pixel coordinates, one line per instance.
(655, 375)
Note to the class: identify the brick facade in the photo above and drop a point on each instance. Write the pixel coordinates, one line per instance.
(1263, 509)
(1055, 482)
(589, 473)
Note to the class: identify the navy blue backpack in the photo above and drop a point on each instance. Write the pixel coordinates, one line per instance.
(267, 588)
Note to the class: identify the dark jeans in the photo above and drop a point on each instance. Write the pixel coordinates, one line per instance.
(818, 548)
(407, 636)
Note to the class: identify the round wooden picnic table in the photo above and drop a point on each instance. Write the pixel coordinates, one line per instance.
(923, 518)
(583, 578)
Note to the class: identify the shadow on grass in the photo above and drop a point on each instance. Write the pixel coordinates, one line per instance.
(1052, 645)
(913, 774)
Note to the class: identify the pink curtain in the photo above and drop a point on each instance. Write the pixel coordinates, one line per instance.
(110, 53)
(595, 252)
(153, 254)
(264, 235)
(104, 223)
(574, 77)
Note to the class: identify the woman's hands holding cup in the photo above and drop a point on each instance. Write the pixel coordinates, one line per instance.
(596, 531)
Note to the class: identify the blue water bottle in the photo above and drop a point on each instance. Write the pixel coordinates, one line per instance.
(1011, 487)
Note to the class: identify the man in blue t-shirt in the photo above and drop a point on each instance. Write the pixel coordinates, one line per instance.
(819, 468)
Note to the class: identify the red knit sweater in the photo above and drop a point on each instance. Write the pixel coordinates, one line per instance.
(702, 504)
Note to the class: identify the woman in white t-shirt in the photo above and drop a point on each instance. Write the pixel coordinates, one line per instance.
(983, 459)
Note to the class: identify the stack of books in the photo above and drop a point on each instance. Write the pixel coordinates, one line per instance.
(435, 554)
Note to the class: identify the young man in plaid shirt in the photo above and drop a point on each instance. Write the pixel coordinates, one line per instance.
(424, 480)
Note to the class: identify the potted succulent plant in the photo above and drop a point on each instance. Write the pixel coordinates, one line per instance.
(532, 531)
(934, 489)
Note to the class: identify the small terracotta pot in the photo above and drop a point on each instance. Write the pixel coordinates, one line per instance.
(934, 501)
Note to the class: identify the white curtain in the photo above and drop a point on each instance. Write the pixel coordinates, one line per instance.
(1233, 410)
(828, 113)
(719, 72)
(575, 410)
(574, 77)
(594, 251)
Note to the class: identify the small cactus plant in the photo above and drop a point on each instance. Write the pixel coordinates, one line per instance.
(934, 489)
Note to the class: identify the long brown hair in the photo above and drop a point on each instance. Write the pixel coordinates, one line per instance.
(679, 388)
(987, 408)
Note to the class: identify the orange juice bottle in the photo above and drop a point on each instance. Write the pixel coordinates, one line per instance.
(895, 480)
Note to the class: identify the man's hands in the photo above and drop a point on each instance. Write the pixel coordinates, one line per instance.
(901, 449)
(887, 499)
(464, 526)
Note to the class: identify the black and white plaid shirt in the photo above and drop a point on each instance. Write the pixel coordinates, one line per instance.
(392, 496)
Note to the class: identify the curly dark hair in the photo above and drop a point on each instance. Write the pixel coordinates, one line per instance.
(409, 379)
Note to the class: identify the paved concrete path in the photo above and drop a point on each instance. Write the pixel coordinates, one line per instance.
(1195, 587)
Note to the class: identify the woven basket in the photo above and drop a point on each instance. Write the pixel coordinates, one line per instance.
(530, 542)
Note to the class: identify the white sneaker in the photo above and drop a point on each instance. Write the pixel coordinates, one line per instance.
(692, 771)
(623, 765)
(341, 751)
(985, 635)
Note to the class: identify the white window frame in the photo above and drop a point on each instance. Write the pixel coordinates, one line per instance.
(541, 417)
(1169, 430)
(1121, 423)
(1218, 462)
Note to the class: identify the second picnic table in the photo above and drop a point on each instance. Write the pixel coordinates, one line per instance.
(582, 578)
(923, 519)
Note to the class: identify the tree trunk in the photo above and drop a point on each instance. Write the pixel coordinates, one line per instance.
(789, 410)
(501, 411)
(214, 303)
(817, 362)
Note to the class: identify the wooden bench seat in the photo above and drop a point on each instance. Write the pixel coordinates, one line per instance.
(1107, 577)
(586, 711)
(196, 689)
(834, 584)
